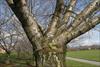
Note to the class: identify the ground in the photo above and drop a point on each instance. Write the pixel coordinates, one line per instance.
(71, 63)
(93, 55)
(13, 61)
(84, 54)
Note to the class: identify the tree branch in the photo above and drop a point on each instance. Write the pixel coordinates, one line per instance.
(52, 27)
(84, 27)
(84, 14)
(29, 24)
(68, 10)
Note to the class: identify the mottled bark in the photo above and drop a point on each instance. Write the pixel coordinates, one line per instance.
(51, 56)
(87, 11)
(52, 59)
(29, 24)
(68, 11)
(67, 36)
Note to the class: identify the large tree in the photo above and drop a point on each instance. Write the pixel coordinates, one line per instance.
(49, 47)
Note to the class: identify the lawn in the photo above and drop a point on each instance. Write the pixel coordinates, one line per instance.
(14, 61)
(85, 54)
(71, 63)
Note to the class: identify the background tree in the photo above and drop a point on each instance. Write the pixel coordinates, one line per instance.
(8, 39)
(7, 43)
(23, 48)
(65, 24)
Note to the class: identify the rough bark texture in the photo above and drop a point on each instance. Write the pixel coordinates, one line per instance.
(49, 49)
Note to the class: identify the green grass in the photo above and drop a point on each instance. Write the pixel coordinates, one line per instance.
(85, 54)
(71, 63)
(15, 61)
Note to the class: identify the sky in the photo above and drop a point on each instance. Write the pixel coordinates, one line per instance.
(92, 37)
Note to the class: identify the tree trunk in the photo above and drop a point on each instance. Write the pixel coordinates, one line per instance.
(8, 53)
(50, 59)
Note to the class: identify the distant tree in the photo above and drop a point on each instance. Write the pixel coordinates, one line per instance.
(50, 45)
(8, 37)
(23, 48)
(8, 42)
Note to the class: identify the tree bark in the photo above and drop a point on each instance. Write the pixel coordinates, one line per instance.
(52, 59)
(51, 56)
(54, 23)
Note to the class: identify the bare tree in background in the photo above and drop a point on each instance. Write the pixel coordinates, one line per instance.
(50, 46)
(23, 48)
(7, 43)
(9, 37)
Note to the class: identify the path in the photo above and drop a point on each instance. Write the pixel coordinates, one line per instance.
(83, 60)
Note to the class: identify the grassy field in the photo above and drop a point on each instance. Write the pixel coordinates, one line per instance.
(85, 54)
(71, 63)
(13, 61)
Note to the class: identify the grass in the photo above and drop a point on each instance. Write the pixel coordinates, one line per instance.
(71, 63)
(85, 54)
(14, 61)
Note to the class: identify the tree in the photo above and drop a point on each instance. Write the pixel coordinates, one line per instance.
(8, 42)
(9, 35)
(49, 47)
(23, 48)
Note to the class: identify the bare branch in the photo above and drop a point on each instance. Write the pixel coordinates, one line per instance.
(84, 14)
(7, 20)
(52, 27)
(29, 24)
(68, 10)
(84, 27)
